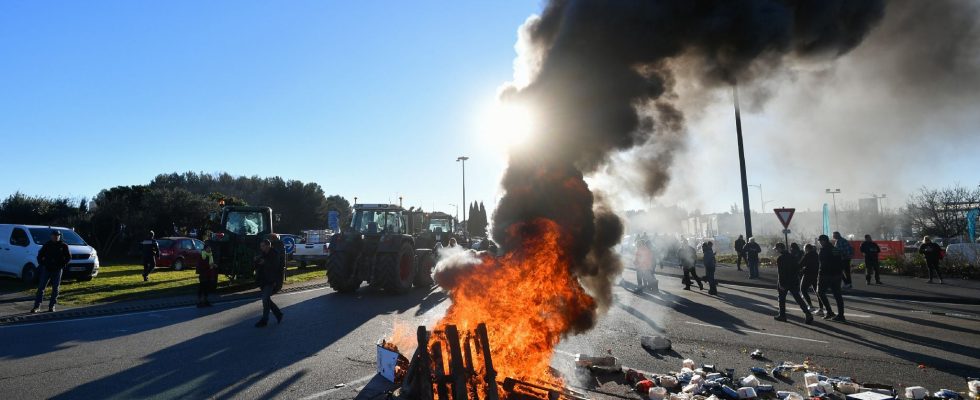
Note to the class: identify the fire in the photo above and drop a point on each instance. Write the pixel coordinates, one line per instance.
(528, 299)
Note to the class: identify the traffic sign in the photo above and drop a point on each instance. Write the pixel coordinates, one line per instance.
(785, 215)
(289, 244)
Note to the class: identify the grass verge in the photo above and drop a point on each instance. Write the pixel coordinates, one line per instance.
(125, 282)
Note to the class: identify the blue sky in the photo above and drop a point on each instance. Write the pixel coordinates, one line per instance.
(370, 99)
(373, 99)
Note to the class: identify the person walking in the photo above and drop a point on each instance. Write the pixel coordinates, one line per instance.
(932, 253)
(739, 251)
(752, 250)
(788, 281)
(810, 265)
(871, 250)
(207, 276)
(708, 250)
(53, 258)
(644, 264)
(268, 272)
(846, 252)
(687, 256)
(151, 252)
(796, 252)
(829, 279)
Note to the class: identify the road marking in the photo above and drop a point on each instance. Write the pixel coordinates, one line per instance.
(345, 385)
(758, 333)
(149, 311)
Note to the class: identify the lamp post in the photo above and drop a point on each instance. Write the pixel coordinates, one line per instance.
(455, 216)
(833, 194)
(462, 161)
(741, 164)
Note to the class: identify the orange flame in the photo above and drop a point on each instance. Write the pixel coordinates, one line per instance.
(528, 299)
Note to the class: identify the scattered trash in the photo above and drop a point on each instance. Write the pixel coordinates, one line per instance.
(644, 386)
(750, 381)
(946, 394)
(339, 385)
(757, 354)
(758, 371)
(655, 343)
(746, 393)
(688, 363)
(657, 393)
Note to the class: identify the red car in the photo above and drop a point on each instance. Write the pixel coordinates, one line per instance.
(179, 252)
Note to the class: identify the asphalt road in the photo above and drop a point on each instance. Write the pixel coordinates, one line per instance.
(325, 346)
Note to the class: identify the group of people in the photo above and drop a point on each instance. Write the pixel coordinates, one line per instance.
(269, 264)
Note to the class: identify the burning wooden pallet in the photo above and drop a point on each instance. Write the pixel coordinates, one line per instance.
(470, 374)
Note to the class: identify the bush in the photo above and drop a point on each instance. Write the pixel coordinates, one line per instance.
(915, 265)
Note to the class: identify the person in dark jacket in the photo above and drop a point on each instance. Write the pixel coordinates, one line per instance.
(810, 265)
(933, 253)
(207, 276)
(151, 252)
(870, 249)
(739, 251)
(829, 278)
(752, 250)
(53, 257)
(688, 255)
(796, 251)
(845, 251)
(788, 281)
(268, 272)
(708, 250)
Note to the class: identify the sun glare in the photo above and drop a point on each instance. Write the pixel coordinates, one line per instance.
(509, 124)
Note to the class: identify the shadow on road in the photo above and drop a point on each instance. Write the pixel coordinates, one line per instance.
(228, 361)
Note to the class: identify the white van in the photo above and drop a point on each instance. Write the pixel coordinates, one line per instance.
(19, 245)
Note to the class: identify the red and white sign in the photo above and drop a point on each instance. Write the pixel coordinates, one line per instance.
(785, 215)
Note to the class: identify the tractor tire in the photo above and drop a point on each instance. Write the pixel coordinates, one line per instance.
(341, 273)
(395, 272)
(423, 277)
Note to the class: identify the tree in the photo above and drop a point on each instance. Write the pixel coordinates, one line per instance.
(941, 212)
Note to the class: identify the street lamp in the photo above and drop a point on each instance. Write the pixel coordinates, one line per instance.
(834, 193)
(462, 161)
(741, 164)
(762, 202)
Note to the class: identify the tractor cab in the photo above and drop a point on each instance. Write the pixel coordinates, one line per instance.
(236, 234)
(379, 219)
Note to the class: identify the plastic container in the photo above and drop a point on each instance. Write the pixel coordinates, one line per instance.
(848, 387)
(758, 371)
(668, 381)
(750, 381)
(696, 379)
(657, 393)
(762, 389)
(788, 395)
(810, 378)
(731, 393)
(679, 396)
(690, 389)
(689, 364)
(746, 393)
(946, 394)
(826, 386)
(712, 376)
(973, 386)
(814, 390)
(916, 392)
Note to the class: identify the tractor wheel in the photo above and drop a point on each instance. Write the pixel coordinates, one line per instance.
(423, 278)
(396, 271)
(341, 274)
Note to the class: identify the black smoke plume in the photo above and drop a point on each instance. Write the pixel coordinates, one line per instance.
(601, 80)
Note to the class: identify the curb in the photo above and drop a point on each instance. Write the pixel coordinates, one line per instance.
(889, 296)
(97, 311)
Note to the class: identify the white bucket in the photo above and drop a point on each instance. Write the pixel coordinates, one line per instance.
(657, 393)
(750, 381)
(746, 393)
(810, 378)
(916, 392)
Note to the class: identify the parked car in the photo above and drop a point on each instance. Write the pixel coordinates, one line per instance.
(966, 253)
(315, 247)
(179, 252)
(19, 245)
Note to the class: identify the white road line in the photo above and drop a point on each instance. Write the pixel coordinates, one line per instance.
(758, 333)
(345, 385)
(148, 311)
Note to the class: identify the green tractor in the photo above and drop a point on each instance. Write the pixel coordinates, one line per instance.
(378, 249)
(431, 228)
(236, 232)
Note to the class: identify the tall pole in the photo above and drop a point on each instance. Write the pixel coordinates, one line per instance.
(741, 163)
(466, 233)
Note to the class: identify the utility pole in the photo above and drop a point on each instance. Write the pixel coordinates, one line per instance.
(462, 161)
(741, 163)
(833, 194)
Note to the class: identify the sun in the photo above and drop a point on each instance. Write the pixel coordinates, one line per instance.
(507, 123)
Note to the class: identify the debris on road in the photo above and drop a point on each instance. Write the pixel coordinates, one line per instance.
(655, 343)
(757, 355)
